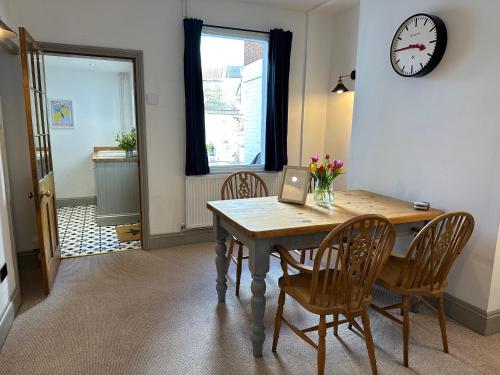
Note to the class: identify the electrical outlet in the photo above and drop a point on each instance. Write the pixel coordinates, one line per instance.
(3, 273)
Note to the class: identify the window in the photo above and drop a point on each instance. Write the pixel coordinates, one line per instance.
(235, 92)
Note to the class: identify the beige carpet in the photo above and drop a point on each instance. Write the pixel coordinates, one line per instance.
(156, 313)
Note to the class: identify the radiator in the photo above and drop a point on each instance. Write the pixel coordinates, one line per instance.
(202, 189)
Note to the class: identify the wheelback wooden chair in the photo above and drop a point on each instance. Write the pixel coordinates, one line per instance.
(423, 272)
(241, 185)
(345, 267)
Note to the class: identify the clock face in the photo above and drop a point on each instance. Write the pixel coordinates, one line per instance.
(418, 46)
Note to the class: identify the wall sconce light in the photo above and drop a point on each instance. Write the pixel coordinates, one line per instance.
(6, 32)
(340, 88)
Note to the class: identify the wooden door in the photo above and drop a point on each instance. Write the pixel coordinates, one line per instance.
(37, 121)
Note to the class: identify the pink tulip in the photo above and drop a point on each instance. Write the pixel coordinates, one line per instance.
(338, 164)
(329, 166)
(314, 158)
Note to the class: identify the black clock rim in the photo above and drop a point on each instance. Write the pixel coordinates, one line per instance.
(441, 42)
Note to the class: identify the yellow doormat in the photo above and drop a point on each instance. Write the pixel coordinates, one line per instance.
(130, 232)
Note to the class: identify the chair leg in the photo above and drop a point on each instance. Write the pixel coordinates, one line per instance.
(335, 327)
(229, 253)
(369, 341)
(238, 269)
(321, 345)
(277, 321)
(303, 256)
(442, 324)
(311, 253)
(406, 329)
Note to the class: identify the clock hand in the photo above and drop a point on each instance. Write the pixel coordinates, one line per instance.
(421, 47)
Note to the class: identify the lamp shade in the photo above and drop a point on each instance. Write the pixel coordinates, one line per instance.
(6, 32)
(340, 88)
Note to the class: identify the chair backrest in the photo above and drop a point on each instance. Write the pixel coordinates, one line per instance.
(243, 185)
(349, 261)
(433, 251)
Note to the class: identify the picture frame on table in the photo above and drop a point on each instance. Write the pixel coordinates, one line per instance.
(295, 184)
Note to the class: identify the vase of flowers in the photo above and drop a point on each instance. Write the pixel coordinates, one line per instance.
(325, 172)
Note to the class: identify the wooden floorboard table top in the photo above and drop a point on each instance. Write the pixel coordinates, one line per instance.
(266, 217)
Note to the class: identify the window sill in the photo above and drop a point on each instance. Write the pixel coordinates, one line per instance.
(228, 169)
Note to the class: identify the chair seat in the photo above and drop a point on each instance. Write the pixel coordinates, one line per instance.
(391, 270)
(389, 278)
(299, 288)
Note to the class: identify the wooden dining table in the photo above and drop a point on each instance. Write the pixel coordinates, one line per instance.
(261, 223)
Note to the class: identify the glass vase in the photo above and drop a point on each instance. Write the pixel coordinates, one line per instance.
(323, 194)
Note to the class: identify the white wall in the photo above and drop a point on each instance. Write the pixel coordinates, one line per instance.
(494, 300)
(7, 251)
(317, 83)
(16, 137)
(340, 106)
(98, 118)
(7, 244)
(6, 12)
(156, 28)
(434, 138)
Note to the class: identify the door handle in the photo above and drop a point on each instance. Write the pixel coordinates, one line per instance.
(46, 193)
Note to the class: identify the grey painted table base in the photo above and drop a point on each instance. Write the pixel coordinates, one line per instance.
(259, 253)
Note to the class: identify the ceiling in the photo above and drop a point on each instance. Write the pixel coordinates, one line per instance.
(331, 6)
(88, 64)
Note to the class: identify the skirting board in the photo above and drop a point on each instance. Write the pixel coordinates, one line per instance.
(480, 321)
(161, 241)
(80, 201)
(8, 316)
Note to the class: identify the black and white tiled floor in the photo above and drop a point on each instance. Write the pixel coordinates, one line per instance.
(79, 234)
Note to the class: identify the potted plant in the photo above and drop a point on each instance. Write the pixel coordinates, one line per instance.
(127, 141)
(325, 172)
(210, 149)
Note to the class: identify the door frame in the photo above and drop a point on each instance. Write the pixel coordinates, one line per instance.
(136, 56)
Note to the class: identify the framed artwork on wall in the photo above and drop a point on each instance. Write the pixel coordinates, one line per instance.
(294, 185)
(61, 114)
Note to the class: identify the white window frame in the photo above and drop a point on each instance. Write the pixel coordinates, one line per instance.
(244, 35)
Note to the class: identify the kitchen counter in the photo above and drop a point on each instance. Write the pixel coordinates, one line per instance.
(117, 186)
(111, 155)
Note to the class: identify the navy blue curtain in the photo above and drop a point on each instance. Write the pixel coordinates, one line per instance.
(196, 152)
(280, 46)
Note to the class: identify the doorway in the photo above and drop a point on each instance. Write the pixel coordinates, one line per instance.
(91, 106)
(37, 118)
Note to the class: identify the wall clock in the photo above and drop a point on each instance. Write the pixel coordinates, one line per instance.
(418, 46)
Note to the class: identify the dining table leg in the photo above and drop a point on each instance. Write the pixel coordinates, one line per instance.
(221, 260)
(259, 266)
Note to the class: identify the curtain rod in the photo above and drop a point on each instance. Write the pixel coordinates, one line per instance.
(237, 29)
